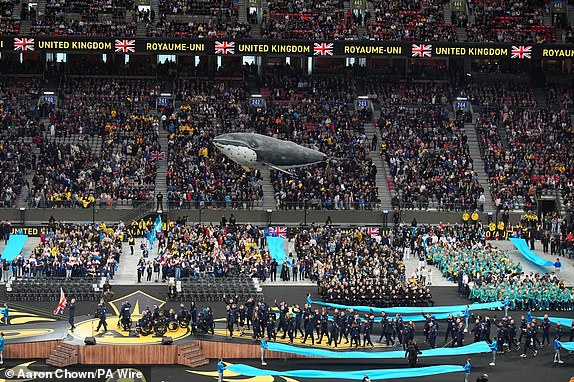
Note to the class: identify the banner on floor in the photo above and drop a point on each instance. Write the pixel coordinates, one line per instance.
(475, 348)
(522, 246)
(413, 309)
(375, 374)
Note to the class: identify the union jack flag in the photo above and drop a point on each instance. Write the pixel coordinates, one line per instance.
(422, 50)
(23, 44)
(521, 51)
(373, 231)
(125, 46)
(61, 303)
(224, 47)
(278, 232)
(323, 49)
(157, 155)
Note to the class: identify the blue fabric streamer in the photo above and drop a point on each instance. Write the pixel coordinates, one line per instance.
(14, 247)
(565, 322)
(475, 348)
(250, 371)
(418, 318)
(415, 309)
(276, 249)
(522, 246)
(567, 345)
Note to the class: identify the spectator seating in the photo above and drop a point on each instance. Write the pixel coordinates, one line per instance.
(375, 277)
(409, 20)
(30, 290)
(87, 18)
(536, 159)
(509, 21)
(304, 20)
(217, 289)
(429, 160)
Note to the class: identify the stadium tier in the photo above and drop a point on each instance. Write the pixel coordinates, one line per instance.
(240, 179)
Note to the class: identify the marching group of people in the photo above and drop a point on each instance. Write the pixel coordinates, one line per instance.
(357, 268)
(485, 274)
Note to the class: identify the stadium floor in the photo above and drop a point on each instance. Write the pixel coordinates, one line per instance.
(509, 368)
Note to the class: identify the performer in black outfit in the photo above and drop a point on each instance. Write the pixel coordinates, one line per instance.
(101, 314)
(72, 313)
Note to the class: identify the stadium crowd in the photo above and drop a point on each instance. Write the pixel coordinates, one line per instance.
(429, 159)
(536, 157)
(70, 250)
(410, 21)
(420, 20)
(205, 251)
(305, 20)
(356, 268)
(198, 175)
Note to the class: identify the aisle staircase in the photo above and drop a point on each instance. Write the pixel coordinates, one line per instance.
(41, 9)
(154, 5)
(161, 171)
(63, 355)
(502, 133)
(242, 18)
(540, 96)
(447, 12)
(382, 171)
(141, 30)
(25, 26)
(268, 191)
(478, 164)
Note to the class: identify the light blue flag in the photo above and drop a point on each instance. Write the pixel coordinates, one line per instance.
(414, 309)
(157, 227)
(567, 345)
(522, 246)
(474, 348)
(375, 374)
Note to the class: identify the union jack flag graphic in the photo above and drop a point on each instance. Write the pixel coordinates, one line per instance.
(422, 50)
(278, 232)
(323, 49)
(224, 47)
(373, 231)
(62, 303)
(125, 46)
(521, 52)
(23, 44)
(157, 155)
